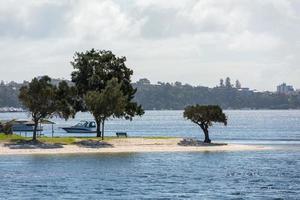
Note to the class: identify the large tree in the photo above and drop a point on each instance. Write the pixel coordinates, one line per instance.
(43, 100)
(94, 69)
(109, 102)
(204, 116)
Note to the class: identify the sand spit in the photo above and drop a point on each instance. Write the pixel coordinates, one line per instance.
(128, 145)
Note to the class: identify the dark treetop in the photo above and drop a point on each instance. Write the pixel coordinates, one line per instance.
(204, 116)
(93, 70)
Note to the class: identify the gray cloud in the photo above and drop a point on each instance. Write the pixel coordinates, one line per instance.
(192, 41)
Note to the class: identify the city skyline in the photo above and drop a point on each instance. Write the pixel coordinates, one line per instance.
(194, 42)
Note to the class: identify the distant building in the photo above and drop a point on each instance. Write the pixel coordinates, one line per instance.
(285, 89)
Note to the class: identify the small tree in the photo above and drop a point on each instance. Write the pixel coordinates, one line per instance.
(42, 100)
(222, 83)
(39, 98)
(109, 102)
(238, 84)
(228, 83)
(204, 116)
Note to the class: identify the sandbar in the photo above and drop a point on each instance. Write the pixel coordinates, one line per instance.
(131, 145)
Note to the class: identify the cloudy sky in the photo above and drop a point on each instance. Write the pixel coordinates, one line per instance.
(192, 41)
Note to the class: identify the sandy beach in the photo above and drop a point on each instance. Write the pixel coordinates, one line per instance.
(130, 145)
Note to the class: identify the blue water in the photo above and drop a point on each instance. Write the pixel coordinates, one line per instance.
(236, 175)
(246, 126)
(271, 174)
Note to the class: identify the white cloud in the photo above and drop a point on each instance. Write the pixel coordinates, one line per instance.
(191, 41)
(248, 41)
(101, 19)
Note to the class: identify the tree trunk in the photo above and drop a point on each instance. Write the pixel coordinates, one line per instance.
(98, 128)
(103, 129)
(206, 140)
(36, 123)
(205, 131)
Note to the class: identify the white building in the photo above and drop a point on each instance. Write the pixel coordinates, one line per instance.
(285, 89)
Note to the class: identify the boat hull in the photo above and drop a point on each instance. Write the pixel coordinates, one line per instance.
(78, 130)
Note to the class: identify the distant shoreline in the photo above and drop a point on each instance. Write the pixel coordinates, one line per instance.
(242, 109)
(130, 145)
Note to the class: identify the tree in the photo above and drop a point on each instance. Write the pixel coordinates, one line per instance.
(222, 83)
(65, 98)
(238, 84)
(93, 70)
(228, 83)
(143, 81)
(40, 98)
(204, 116)
(109, 102)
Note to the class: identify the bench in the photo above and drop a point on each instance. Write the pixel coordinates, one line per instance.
(121, 134)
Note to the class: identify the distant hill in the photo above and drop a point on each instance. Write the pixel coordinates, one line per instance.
(175, 96)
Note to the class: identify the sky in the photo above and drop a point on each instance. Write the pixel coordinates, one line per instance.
(191, 41)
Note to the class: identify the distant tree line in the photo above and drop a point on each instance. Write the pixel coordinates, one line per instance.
(9, 94)
(176, 96)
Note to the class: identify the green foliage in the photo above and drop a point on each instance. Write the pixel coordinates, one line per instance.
(7, 128)
(170, 96)
(109, 102)
(9, 95)
(93, 70)
(176, 96)
(39, 98)
(65, 98)
(228, 83)
(5, 137)
(43, 100)
(205, 114)
(60, 140)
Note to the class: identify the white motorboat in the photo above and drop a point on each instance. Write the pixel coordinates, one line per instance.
(82, 127)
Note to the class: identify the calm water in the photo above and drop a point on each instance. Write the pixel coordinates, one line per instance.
(272, 174)
(243, 126)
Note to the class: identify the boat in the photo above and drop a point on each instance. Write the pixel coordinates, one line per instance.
(82, 127)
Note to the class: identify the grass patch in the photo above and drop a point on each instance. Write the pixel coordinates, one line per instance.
(4, 137)
(57, 140)
(70, 140)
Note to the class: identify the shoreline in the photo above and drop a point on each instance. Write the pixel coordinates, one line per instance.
(129, 145)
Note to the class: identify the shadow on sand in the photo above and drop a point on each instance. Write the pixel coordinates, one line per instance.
(197, 143)
(30, 144)
(93, 144)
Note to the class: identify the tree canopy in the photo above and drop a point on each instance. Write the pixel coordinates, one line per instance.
(109, 102)
(204, 116)
(93, 70)
(103, 84)
(43, 100)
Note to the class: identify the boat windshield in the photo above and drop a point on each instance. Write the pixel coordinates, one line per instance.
(82, 124)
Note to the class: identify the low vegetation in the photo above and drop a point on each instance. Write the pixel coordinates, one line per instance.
(68, 140)
(9, 137)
